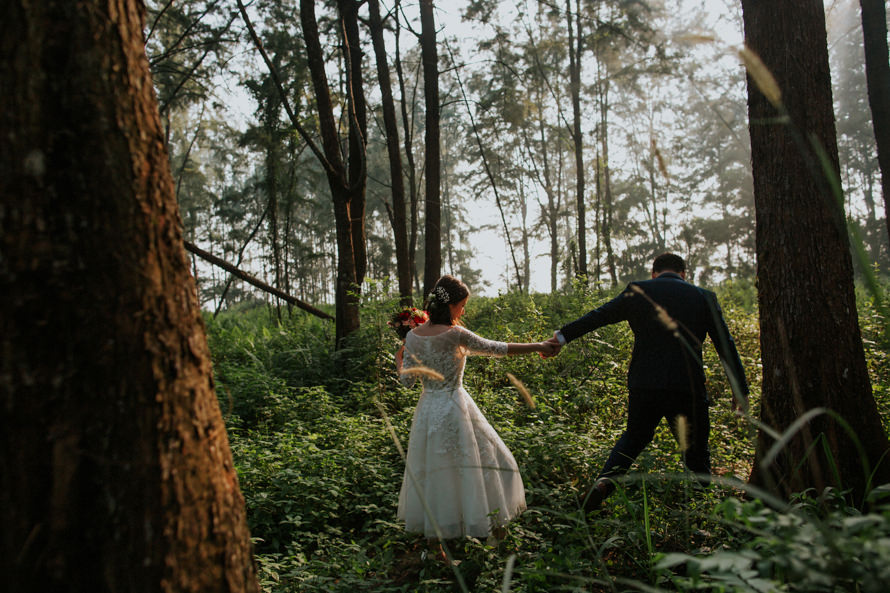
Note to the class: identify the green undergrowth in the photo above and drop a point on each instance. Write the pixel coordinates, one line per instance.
(320, 470)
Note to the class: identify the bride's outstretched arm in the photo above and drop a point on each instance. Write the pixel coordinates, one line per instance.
(545, 348)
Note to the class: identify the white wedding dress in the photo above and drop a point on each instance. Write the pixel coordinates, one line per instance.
(459, 475)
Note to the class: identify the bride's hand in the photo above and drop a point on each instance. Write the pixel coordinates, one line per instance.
(399, 356)
(548, 349)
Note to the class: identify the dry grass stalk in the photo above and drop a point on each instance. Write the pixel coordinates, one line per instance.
(762, 77)
(422, 371)
(693, 39)
(666, 320)
(683, 432)
(523, 391)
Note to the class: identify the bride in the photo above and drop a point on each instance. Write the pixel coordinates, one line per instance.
(460, 479)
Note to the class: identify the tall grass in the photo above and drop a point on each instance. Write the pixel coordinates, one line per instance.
(320, 470)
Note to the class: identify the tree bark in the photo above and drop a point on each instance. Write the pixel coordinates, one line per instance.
(432, 268)
(877, 72)
(398, 220)
(116, 473)
(811, 345)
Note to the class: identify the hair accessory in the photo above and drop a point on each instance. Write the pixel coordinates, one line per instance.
(440, 295)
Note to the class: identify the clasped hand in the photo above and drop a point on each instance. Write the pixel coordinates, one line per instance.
(551, 347)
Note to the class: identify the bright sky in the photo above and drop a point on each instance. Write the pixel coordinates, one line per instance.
(719, 19)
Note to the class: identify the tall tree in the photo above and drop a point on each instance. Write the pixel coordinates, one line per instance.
(605, 182)
(408, 129)
(810, 340)
(576, 51)
(116, 471)
(877, 70)
(346, 171)
(397, 212)
(432, 205)
(271, 122)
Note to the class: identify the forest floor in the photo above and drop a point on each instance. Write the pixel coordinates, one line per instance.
(316, 435)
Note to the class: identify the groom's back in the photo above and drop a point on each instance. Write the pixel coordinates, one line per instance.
(667, 348)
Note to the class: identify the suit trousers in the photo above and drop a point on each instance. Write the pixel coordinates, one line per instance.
(646, 408)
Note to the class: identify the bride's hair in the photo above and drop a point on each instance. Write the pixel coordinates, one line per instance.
(448, 290)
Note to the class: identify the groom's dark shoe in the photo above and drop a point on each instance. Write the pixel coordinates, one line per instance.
(596, 495)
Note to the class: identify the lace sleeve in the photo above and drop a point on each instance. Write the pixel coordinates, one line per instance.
(477, 345)
(408, 361)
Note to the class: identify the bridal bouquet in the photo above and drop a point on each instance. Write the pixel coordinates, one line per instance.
(407, 319)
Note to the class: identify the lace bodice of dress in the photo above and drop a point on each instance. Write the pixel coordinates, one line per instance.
(446, 353)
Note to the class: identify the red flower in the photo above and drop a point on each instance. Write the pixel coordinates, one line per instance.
(407, 319)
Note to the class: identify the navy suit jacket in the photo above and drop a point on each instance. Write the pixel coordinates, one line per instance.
(665, 358)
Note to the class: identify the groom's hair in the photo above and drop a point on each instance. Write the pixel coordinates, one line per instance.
(668, 262)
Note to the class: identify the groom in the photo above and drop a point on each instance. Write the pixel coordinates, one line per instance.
(669, 318)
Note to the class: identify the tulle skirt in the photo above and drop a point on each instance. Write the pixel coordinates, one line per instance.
(459, 475)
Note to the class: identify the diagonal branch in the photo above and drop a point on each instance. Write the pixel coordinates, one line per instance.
(254, 281)
(273, 72)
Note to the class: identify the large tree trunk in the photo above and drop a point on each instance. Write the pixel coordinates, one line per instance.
(877, 71)
(811, 345)
(433, 209)
(116, 473)
(575, 52)
(397, 216)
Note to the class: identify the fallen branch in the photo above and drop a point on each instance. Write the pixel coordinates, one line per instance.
(254, 281)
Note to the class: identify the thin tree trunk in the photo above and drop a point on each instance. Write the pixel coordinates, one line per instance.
(399, 222)
(811, 345)
(524, 285)
(271, 128)
(117, 474)
(607, 182)
(877, 71)
(358, 134)
(575, 53)
(408, 128)
(598, 222)
(432, 207)
(551, 212)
